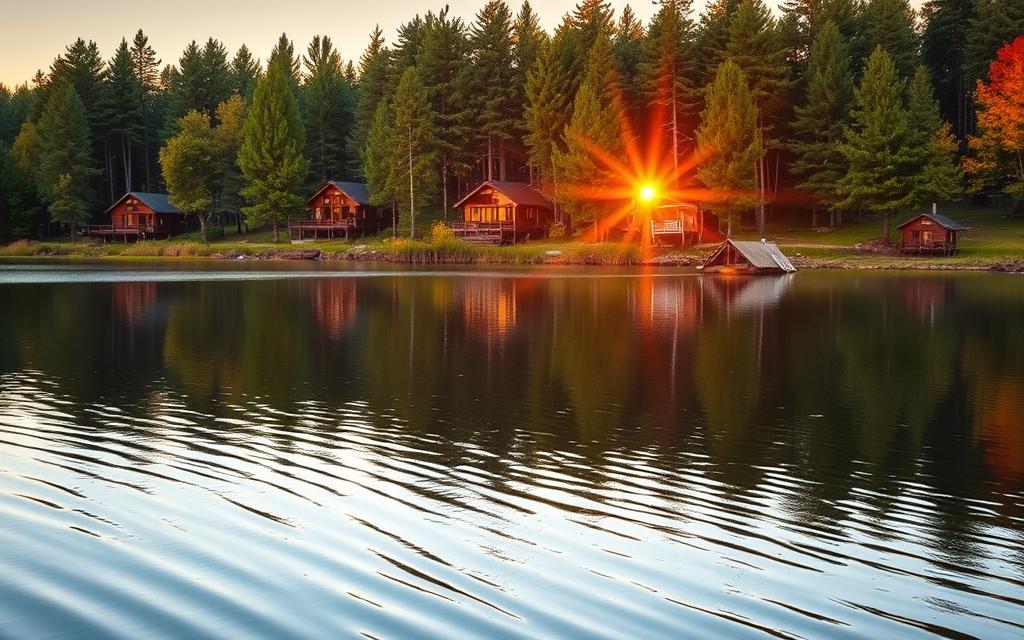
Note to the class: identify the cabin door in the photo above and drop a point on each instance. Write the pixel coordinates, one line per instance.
(926, 238)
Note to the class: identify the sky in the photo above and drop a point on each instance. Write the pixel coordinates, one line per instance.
(34, 32)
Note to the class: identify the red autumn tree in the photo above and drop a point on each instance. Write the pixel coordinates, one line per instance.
(997, 152)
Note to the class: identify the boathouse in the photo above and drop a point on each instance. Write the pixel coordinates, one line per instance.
(140, 216)
(737, 256)
(338, 210)
(503, 212)
(930, 233)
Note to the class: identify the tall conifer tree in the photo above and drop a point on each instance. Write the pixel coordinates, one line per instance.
(271, 157)
(878, 144)
(821, 118)
(728, 141)
(414, 147)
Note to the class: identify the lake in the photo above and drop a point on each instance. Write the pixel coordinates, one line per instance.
(225, 451)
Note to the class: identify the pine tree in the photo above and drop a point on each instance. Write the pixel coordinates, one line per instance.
(756, 46)
(123, 116)
(328, 100)
(441, 61)
(527, 39)
(666, 69)
(146, 67)
(66, 205)
(372, 90)
(408, 46)
(878, 144)
(414, 146)
(21, 212)
(943, 48)
(728, 142)
(245, 73)
(283, 55)
(547, 103)
(190, 167)
(596, 124)
(936, 175)
(628, 52)
(201, 82)
(819, 126)
(890, 24)
(378, 154)
(64, 152)
(995, 23)
(492, 90)
(593, 19)
(808, 18)
(712, 37)
(271, 155)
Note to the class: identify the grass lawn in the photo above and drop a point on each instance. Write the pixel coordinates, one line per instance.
(994, 232)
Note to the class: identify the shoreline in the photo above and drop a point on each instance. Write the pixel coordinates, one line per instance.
(422, 253)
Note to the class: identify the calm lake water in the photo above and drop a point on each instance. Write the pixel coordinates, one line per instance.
(223, 452)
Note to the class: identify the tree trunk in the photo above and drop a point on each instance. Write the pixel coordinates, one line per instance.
(814, 217)
(885, 227)
(444, 190)
(412, 194)
(203, 219)
(501, 161)
(277, 231)
(490, 157)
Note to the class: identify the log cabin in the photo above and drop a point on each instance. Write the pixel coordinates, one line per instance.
(140, 216)
(338, 210)
(503, 212)
(736, 256)
(930, 233)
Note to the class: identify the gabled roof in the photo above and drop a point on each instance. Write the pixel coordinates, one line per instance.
(158, 202)
(517, 192)
(760, 255)
(948, 223)
(355, 190)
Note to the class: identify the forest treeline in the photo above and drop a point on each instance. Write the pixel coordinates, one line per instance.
(826, 105)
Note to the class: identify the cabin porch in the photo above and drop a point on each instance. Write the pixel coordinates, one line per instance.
(485, 232)
(107, 232)
(316, 229)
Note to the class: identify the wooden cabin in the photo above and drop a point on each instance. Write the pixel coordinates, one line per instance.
(338, 210)
(140, 216)
(503, 212)
(736, 256)
(930, 233)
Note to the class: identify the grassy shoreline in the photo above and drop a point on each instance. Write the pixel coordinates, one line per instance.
(994, 243)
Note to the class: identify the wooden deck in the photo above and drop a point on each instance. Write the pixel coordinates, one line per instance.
(931, 248)
(317, 229)
(484, 232)
(110, 232)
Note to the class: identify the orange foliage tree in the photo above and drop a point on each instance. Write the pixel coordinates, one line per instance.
(997, 152)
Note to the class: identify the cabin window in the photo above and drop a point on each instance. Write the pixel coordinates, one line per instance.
(915, 236)
(926, 237)
(327, 201)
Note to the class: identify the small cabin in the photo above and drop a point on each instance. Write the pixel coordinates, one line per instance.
(338, 210)
(737, 256)
(503, 212)
(140, 216)
(930, 233)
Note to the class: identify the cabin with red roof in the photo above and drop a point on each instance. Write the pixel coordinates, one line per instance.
(930, 233)
(140, 216)
(338, 210)
(498, 212)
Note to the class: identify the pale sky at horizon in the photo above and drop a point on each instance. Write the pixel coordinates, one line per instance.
(33, 33)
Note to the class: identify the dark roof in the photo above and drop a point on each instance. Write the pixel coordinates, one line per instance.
(948, 223)
(158, 202)
(518, 192)
(760, 255)
(354, 190)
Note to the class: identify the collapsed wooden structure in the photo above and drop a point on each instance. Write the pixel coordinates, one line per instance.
(338, 210)
(931, 233)
(498, 212)
(138, 216)
(738, 256)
